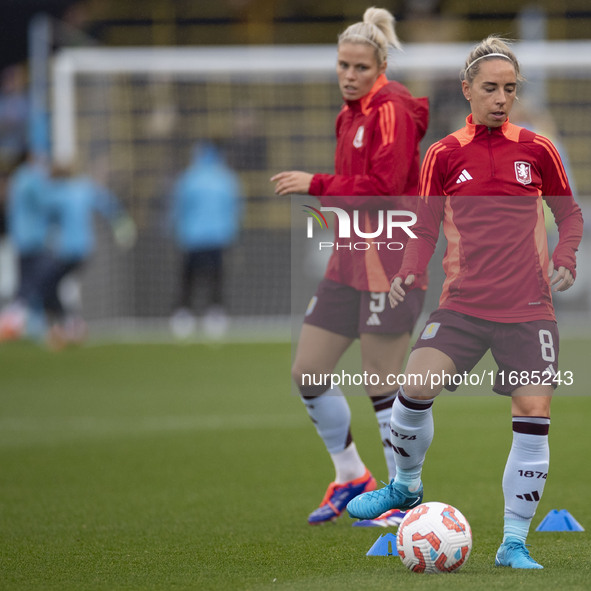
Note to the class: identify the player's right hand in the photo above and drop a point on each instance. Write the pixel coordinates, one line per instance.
(397, 289)
(292, 181)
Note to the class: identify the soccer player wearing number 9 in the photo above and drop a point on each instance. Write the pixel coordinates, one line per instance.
(376, 168)
(485, 184)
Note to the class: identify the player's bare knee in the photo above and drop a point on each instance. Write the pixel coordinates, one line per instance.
(310, 381)
(301, 372)
(528, 405)
(420, 391)
(297, 373)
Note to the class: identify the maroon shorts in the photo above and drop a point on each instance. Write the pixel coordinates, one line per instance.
(349, 312)
(525, 352)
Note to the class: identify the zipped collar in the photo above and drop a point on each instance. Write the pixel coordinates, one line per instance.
(475, 129)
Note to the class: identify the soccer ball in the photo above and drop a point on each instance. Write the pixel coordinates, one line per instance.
(434, 538)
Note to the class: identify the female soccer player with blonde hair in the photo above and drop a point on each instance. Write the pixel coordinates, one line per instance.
(376, 168)
(486, 184)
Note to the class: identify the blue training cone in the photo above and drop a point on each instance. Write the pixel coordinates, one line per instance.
(384, 546)
(559, 521)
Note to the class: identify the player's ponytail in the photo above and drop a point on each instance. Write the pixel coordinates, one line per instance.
(377, 30)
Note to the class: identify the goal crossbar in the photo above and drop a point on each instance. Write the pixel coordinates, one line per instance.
(273, 63)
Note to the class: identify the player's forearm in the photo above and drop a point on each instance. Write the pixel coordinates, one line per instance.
(417, 254)
(418, 251)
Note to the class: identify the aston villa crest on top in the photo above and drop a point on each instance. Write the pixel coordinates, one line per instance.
(358, 140)
(523, 172)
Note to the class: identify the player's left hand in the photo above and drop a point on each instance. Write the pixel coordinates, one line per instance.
(398, 289)
(563, 278)
(292, 181)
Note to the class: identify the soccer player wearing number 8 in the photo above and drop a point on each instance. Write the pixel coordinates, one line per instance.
(485, 183)
(376, 168)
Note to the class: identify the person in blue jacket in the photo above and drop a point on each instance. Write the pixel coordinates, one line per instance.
(73, 200)
(27, 222)
(205, 215)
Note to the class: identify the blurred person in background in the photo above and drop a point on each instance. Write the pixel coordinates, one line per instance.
(73, 200)
(205, 215)
(28, 224)
(14, 112)
(376, 168)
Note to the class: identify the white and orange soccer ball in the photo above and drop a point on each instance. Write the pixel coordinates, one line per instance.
(434, 538)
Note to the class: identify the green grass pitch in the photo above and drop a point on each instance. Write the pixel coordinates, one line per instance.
(172, 467)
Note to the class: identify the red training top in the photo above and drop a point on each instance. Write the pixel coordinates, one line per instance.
(486, 185)
(376, 169)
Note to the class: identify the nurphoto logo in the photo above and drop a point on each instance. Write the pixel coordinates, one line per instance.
(349, 227)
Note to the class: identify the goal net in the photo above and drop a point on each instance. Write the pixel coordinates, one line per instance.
(133, 116)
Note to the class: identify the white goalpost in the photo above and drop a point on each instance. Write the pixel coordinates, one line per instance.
(135, 114)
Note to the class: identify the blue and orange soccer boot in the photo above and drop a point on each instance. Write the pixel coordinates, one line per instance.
(393, 496)
(512, 552)
(338, 495)
(391, 518)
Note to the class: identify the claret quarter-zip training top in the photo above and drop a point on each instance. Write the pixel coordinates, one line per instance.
(376, 169)
(487, 185)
